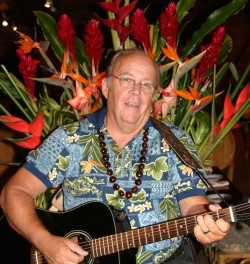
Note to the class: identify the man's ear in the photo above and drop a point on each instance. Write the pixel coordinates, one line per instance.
(105, 87)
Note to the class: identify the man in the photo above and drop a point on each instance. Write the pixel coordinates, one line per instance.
(118, 157)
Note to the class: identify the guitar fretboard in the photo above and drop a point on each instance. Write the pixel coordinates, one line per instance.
(149, 234)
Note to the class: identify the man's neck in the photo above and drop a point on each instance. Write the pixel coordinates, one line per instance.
(122, 135)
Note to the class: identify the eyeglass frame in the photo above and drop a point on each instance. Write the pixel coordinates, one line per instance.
(134, 83)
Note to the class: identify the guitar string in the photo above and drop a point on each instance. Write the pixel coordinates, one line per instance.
(222, 214)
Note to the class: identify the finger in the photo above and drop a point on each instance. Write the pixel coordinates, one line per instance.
(201, 222)
(200, 236)
(223, 225)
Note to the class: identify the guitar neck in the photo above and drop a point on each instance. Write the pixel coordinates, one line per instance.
(149, 234)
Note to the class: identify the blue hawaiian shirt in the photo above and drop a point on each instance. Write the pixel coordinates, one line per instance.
(71, 157)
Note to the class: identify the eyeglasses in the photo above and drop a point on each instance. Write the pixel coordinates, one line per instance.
(129, 83)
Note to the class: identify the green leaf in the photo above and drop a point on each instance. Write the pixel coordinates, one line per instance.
(167, 66)
(186, 66)
(221, 73)
(49, 26)
(183, 7)
(226, 48)
(82, 56)
(57, 82)
(234, 71)
(53, 104)
(7, 85)
(217, 18)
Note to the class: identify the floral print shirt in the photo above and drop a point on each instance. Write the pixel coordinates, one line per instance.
(71, 157)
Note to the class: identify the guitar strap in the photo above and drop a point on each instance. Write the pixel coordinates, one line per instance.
(176, 145)
(183, 153)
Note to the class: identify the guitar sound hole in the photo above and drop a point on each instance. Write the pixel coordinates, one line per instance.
(82, 239)
(83, 242)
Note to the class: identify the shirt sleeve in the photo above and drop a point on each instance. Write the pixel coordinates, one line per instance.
(42, 161)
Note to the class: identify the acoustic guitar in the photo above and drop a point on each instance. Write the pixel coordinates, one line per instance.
(93, 226)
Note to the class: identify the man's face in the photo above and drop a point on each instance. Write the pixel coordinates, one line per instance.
(130, 106)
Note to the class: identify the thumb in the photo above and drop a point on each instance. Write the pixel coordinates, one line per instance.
(78, 250)
(214, 207)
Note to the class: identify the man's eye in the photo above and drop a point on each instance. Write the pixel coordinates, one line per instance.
(126, 79)
(146, 85)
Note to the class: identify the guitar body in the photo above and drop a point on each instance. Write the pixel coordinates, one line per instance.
(88, 221)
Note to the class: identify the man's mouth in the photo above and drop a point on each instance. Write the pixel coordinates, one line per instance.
(134, 105)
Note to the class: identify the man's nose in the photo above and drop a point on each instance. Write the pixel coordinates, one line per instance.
(136, 87)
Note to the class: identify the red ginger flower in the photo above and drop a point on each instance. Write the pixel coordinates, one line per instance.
(66, 34)
(169, 24)
(28, 68)
(94, 41)
(34, 129)
(140, 29)
(230, 109)
(212, 54)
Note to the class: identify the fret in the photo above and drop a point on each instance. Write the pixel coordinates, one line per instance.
(92, 248)
(103, 246)
(168, 230)
(117, 245)
(176, 227)
(121, 238)
(160, 232)
(107, 242)
(132, 238)
(185, 219)
(145, 235)
(152, 234)
(231, 215)
(139, 239)
(128, 246)
(112, 244)
(100, 248)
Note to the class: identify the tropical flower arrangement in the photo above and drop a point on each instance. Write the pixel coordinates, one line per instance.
(191, 72)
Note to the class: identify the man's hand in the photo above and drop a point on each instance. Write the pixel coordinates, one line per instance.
(60, 250)
(208, 231)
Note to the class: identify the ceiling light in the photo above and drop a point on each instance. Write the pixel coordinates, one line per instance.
(48, 3)
(4, 21)
(14, 27)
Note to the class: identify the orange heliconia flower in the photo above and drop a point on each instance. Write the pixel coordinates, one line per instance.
(195, 95)
(229, 109)
(170, 53)
(26, 43)
(34, 130)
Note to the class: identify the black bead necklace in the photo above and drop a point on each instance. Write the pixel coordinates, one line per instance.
(140, 168)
